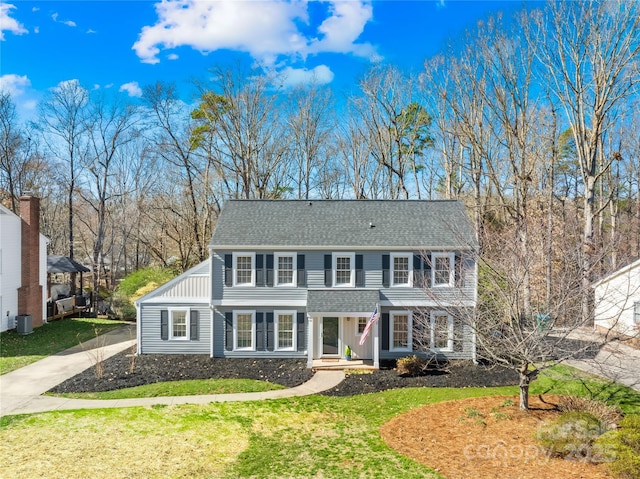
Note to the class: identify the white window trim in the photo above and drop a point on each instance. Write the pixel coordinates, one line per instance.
(452, 273)
(409, 283)
(432, 321)
(392, 315)
(636, 313)
(235, 269)
(187, 337)
(294, 315)
(352, 263)
(366, 320)
(294, 265)
(235, 330)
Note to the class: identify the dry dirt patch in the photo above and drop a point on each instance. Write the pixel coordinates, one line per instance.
(483, 438)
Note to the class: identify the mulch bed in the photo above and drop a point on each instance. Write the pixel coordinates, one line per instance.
(286, 372)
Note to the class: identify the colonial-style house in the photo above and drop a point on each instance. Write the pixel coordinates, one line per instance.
(301, 279)
(23, 265)
(617, 301)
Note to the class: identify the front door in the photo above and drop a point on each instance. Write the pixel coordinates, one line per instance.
(330, 336)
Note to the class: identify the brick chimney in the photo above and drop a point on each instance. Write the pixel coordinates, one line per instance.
(30, 293)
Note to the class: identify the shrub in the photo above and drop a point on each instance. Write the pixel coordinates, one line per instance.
(608, 415)
(411, 365)
(573, 435)
(136, 285)
(624, 445)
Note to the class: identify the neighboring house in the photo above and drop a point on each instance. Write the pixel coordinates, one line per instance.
(617, 301)
(300, 279)
(23, 264)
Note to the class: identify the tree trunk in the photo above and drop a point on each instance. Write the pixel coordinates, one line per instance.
(525, 379)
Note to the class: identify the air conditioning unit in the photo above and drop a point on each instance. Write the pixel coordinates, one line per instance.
(24, 324)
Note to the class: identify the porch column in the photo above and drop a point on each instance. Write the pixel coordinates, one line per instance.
(376, 343)
(310, 341)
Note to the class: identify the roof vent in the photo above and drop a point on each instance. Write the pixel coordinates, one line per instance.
(371, 225)
(310, 203)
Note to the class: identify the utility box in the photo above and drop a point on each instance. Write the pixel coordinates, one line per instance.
(24, 324)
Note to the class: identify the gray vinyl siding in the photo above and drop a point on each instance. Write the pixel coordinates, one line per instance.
(462, 333)
(151, 340)
(219, 337)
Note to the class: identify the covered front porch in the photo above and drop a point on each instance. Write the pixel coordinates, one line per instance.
(337, 320)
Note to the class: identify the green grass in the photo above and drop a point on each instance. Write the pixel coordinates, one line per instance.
(567, 380)
(17, 350)
(181, 388)
(313, 436)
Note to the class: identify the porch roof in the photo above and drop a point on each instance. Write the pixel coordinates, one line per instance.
(342, 301)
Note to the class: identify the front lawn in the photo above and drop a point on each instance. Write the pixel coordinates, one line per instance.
(314, 436)
(18, 350)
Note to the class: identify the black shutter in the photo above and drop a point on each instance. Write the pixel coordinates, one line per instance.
(359, 271)
(302, 277)
(385, 331)
(301, 332)
(164, 325)
(194, 325)
(418, 277)
(426, 271)
(228, 333)
(260, 332)
(458, 271)
(269, 269)
(259, 270)
(270, 332)
(385, 271)
(327, 270)
(228, 270)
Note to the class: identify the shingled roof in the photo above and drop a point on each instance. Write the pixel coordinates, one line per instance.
(342, 224)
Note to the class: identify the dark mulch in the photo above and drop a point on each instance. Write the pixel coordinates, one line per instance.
(287, 372)
(154, 368)
(456, 374)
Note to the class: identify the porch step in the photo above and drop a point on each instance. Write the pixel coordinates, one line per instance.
(341, 364)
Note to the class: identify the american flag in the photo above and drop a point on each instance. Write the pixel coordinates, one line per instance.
(374, 317)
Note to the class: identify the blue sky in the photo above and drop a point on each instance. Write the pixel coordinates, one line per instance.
(124, 45)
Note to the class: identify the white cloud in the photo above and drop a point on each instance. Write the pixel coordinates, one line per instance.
(341, 30)
(68, 23)
(9, 24)
(172, 56)
(13, 84)
(91, 30)
(266, 30)
(132, 88)
(320, 75)
(36, 29)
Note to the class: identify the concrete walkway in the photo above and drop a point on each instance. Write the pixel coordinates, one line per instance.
(21, 390)
(614, 361)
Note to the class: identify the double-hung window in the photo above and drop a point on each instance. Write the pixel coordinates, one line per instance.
(361, 325)
(442, 269)
(344, 269)
(244, 270)
(285, 330)
(244, 329)
(441, 331)
(286, 269)
(400, 328)
(179, 324)
(636, 313)
(401, 269)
